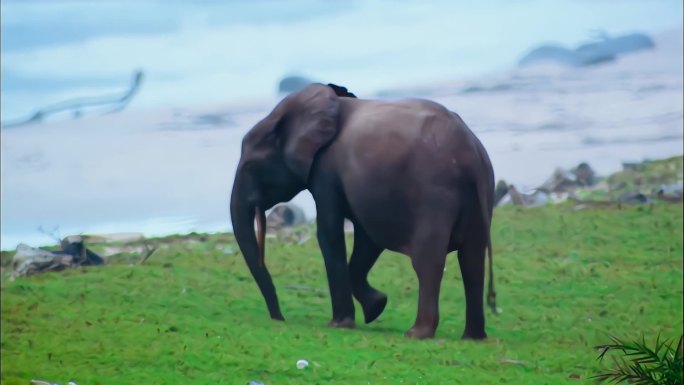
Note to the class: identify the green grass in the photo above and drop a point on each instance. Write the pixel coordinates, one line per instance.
(566, 280)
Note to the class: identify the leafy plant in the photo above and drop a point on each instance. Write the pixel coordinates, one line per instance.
(641, 364)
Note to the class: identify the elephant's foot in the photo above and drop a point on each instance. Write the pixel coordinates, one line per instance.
(374, 306)
(277, 316)
(344, 323)
(474, 335)
(420, 333)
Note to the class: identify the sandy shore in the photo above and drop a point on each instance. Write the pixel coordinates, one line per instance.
(171, 170)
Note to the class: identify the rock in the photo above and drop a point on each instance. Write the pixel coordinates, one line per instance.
(674, 189)
(500, 192)
(285, 215)
(287, 223)
(29, 260)
(633, 198)
(584, 175)
(564, 181)
(560, 181)
(538, 198)
(605, 49)
(593, 53)
(556, 198)
(26, 254)
(75, 246)
(290, 84)
(302, 364)
(626, 43)
(562, 55)
(673, 193)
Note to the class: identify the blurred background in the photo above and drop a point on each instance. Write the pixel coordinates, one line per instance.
(127, 116)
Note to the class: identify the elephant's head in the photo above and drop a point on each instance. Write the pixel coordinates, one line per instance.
(275, 163)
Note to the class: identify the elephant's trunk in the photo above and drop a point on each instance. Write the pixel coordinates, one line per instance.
(243, 213)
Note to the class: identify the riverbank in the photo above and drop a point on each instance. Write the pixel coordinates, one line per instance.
(166, 171)
(566, 280)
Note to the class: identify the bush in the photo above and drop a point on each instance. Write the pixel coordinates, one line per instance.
(642, 365)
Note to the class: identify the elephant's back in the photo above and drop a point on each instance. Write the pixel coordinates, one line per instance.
(411, 135)
(413, 156)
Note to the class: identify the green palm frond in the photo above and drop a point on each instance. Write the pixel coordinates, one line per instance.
(641, 364)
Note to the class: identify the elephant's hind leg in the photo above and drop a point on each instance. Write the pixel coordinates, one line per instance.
(363, 257)
(428, 261)
(471, 258)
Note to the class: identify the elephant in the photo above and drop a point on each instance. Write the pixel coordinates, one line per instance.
(361, 159)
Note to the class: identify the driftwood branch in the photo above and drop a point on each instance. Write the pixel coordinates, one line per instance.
(75, 105)
(148, 252)
(54, 234)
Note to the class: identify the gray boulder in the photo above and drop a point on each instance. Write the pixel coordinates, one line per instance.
(285, 215)
(290, 84)
(562, 180)
(604, 50)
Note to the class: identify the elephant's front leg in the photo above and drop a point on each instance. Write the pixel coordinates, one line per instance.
(330, 222)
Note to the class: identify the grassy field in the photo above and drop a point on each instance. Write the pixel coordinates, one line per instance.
(192, 314)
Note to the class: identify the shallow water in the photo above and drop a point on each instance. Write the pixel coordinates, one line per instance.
(160, 169)
(220, 52)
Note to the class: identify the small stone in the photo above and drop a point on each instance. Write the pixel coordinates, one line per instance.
(301, 364)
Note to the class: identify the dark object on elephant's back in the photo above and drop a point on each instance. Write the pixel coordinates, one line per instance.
(341, 91)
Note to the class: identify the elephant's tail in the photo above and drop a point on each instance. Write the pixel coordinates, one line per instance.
(491, 293)
(485, 195)
(486, 199)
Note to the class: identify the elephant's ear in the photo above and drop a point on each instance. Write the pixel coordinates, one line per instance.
(309, 124)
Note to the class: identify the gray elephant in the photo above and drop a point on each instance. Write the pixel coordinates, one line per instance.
(361, 160)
